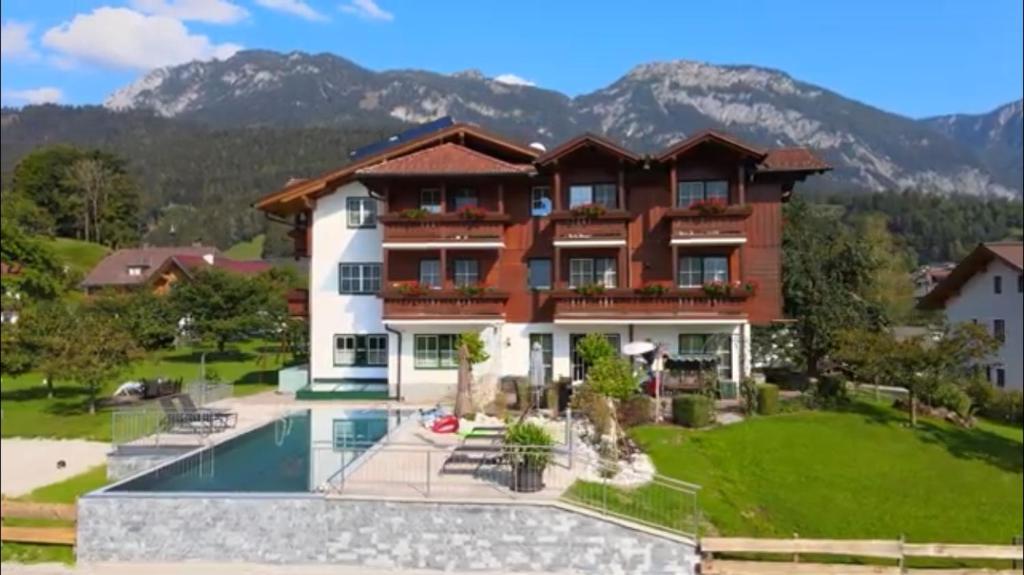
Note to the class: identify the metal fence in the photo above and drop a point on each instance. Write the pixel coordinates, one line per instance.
(488, 471)
(204, 392)
(131, 425)
(145, 424)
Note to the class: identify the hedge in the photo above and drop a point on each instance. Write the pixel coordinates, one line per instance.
(767, 399)
(693, 410)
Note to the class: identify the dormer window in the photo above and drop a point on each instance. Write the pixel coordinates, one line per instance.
(690, 192)
(136, 271)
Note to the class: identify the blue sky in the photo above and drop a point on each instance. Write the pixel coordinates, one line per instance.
(916, 58)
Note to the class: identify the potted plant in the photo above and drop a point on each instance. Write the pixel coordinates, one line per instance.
(590, 290)
(652, 290)
(715, 289)
(413, 214)
(710, 207)
(588, 211)
(471, 290)
(412, 289)
(528, 449)
(472, 213)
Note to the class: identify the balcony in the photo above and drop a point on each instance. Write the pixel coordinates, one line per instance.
(704, 227)
(454, 230)
(443, 304)
(630, 304)
(596, 230)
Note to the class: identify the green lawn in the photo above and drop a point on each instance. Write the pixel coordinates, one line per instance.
(856, 473)
(76, 254)
(67, 491)
(250, 250)
(29, 413)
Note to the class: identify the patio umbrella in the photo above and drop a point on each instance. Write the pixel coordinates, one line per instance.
(537, 375)
(637, 348)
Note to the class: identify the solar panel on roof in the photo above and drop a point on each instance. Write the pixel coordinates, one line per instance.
(401, 137)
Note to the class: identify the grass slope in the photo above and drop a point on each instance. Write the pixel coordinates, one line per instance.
(67, 491)
(250, 250)
(856, 473)
(29, 413)
(76, 254)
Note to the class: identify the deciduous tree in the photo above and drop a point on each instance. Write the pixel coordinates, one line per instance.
(220, 307)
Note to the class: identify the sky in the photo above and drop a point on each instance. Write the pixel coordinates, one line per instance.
(912, 57)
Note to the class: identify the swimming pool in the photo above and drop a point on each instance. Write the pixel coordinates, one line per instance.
(299, 453)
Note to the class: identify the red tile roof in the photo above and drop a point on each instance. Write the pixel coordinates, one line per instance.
(584, 140)
(792, 160)
(444, 159)
(244, 267)
(113, 269)
(1011, 253)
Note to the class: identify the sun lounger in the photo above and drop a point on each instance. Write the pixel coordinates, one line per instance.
(222, 418)
(196, 420)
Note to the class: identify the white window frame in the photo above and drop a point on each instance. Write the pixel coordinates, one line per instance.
(430, 200)
(599, 270)
(366, 278)
(361, 212)
(698, 190)
(583, 194)
(464, 197)
(437, 352)
(581, 272)
(466, 272)
(430, 273)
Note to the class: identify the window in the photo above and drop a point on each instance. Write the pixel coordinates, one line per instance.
(586, 271)
(467, 273)
(362, 212)
(135, 270)
(539, 273)
(602, 194)
(547, 346)
(997, 284)
(1000, 377)
(719, 345)
(435, 352)
(430, 200)
(695, 271)
(695, 191)
(358, 278)
(464, 198)
(540, 201)
(999, 329)
(1020, 284)
(430, 273)
(361, 350)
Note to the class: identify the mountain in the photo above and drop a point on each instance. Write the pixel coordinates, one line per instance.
(652, 105)
(997, 137)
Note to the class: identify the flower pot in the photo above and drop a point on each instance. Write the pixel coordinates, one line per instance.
(527, 478)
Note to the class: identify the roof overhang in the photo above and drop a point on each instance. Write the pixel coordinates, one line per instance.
(976, 261)
(712, 137)
(588, 141)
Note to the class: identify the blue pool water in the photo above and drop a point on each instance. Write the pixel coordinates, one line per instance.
(294, 454)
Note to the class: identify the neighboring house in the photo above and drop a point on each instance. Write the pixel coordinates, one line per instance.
(458, 229)
(927, 277)
(987, 288)
(158, 268)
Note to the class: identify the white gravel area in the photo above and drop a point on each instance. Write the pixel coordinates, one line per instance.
(32, 463)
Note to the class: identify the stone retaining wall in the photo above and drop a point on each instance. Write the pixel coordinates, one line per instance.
(127, 462)
(454, 537)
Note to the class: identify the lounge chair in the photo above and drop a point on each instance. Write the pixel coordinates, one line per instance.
(193, 421)
(490, 453)
(224, 418)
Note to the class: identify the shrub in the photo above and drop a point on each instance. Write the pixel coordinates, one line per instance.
(829, 391)
(952, 398)
(637, 410)
(594, 407)
(471, 290)
(786, 378)
(590, 290)
(528, 443)
(472, 213)
(710, 207)
(749, 394)
(612, 377)
(1006, 406)
(767, 399)
(693, 410)
(981, 392)
(594, 347)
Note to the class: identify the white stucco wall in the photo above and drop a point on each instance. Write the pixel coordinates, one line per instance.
(330, 312)
(978, 301)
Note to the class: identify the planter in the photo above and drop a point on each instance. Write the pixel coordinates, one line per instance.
(527, 478)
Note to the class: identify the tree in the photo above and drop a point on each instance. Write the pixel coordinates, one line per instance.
(221, 307)
(40, 340)
(97, 349)
(827, 272)
(471, 351)
(150, 319)
(613, 378)
(593, 348)
(33, 272)
(891, 287)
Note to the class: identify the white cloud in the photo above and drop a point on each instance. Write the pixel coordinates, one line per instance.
(209, 11)
(293, 7)
(367, 10)
(514, 80)
(14, 40)
(123, 38)
(43, 95)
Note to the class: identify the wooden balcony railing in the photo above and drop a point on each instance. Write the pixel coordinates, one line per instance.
(443, 227)
(438, 304)
(628, 303)
(687, 223)
(608, 226)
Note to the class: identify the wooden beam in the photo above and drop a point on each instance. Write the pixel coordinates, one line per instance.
(44, 535)
(886, 548)
(673, 184)
(741, 187)
(557, 272)
(29, 510)
(558, 188)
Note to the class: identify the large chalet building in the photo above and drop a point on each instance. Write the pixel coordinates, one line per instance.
(419, 240)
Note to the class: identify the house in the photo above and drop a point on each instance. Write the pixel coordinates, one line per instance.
(986, 288)
(925, 278)
(158, 268)
(459, 229)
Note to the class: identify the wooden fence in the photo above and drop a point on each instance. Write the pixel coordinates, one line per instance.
(49, 535)
(896, 551)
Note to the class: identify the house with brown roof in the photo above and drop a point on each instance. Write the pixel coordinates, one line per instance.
(458, 229)
(159, 268)
(987, 288)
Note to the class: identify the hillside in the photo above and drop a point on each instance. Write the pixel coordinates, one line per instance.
(79, 256)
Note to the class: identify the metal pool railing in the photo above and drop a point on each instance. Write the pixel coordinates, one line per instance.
(132, 425)
(204, 392)
(486, 472)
